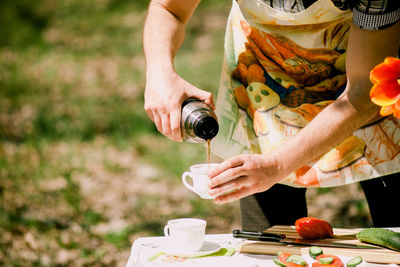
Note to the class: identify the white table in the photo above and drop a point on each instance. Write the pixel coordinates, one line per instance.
(146, 247)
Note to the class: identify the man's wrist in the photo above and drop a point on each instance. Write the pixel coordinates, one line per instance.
(156, 68)
(281, 166)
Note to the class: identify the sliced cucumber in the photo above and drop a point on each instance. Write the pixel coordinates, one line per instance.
(315, 251)
(327, 260)
(296, 259)
(381, 237)
(354, 262)
(278, 262)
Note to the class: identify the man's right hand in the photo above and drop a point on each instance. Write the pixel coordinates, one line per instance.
(164, 94)
(163, 34)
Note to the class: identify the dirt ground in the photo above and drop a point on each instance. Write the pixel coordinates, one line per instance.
(83, 171)
(106, 198)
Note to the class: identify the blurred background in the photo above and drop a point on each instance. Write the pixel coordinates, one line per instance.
(83, 171)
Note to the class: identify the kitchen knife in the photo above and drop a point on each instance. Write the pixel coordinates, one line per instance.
(282, 239)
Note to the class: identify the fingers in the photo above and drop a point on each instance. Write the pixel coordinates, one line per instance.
(150, 114)
(157, 122)
(225, 177)
(175, 120)
(170, 125)
(237, 194)
(229, 186)
(165, 125)
(225, 165)
(167, 121)
(202, 95)
(210, 101)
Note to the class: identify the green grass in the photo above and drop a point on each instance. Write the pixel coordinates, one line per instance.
(72, 125)
(82, 167)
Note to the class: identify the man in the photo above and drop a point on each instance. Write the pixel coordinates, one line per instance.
(254, 174)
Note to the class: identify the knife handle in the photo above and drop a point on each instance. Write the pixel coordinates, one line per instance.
(258, 235)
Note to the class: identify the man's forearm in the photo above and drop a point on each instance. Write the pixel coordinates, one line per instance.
(165, 90)
(336, 122)
(352, 110)
(164, 32)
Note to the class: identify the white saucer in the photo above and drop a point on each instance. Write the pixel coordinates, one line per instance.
(206, 249)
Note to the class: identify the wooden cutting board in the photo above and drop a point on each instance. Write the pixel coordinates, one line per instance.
(340, 235)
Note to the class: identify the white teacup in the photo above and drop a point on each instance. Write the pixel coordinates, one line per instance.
(200, 179)
(186, 234)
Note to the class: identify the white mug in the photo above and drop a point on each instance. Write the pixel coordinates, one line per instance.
(186, 234)
(200, 179)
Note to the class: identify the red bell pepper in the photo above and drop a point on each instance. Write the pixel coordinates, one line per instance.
(337, 262)
(313, 228)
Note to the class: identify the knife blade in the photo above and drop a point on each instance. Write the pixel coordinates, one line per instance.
(282, 239)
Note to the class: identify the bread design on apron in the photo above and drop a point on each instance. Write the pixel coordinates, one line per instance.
(280, 71)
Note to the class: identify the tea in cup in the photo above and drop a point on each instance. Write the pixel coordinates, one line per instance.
(186, 234)
(199, 179)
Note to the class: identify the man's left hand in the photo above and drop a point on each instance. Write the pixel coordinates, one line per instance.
(244, 175)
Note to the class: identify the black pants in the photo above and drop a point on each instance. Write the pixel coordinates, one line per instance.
(284, 205)
(383, 197)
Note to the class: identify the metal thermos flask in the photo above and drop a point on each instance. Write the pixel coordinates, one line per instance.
(198, 121)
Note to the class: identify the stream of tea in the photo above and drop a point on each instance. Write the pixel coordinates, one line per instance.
(208, 153)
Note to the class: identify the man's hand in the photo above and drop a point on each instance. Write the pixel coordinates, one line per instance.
(163, 34)
(165, 92)
(244, 175)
